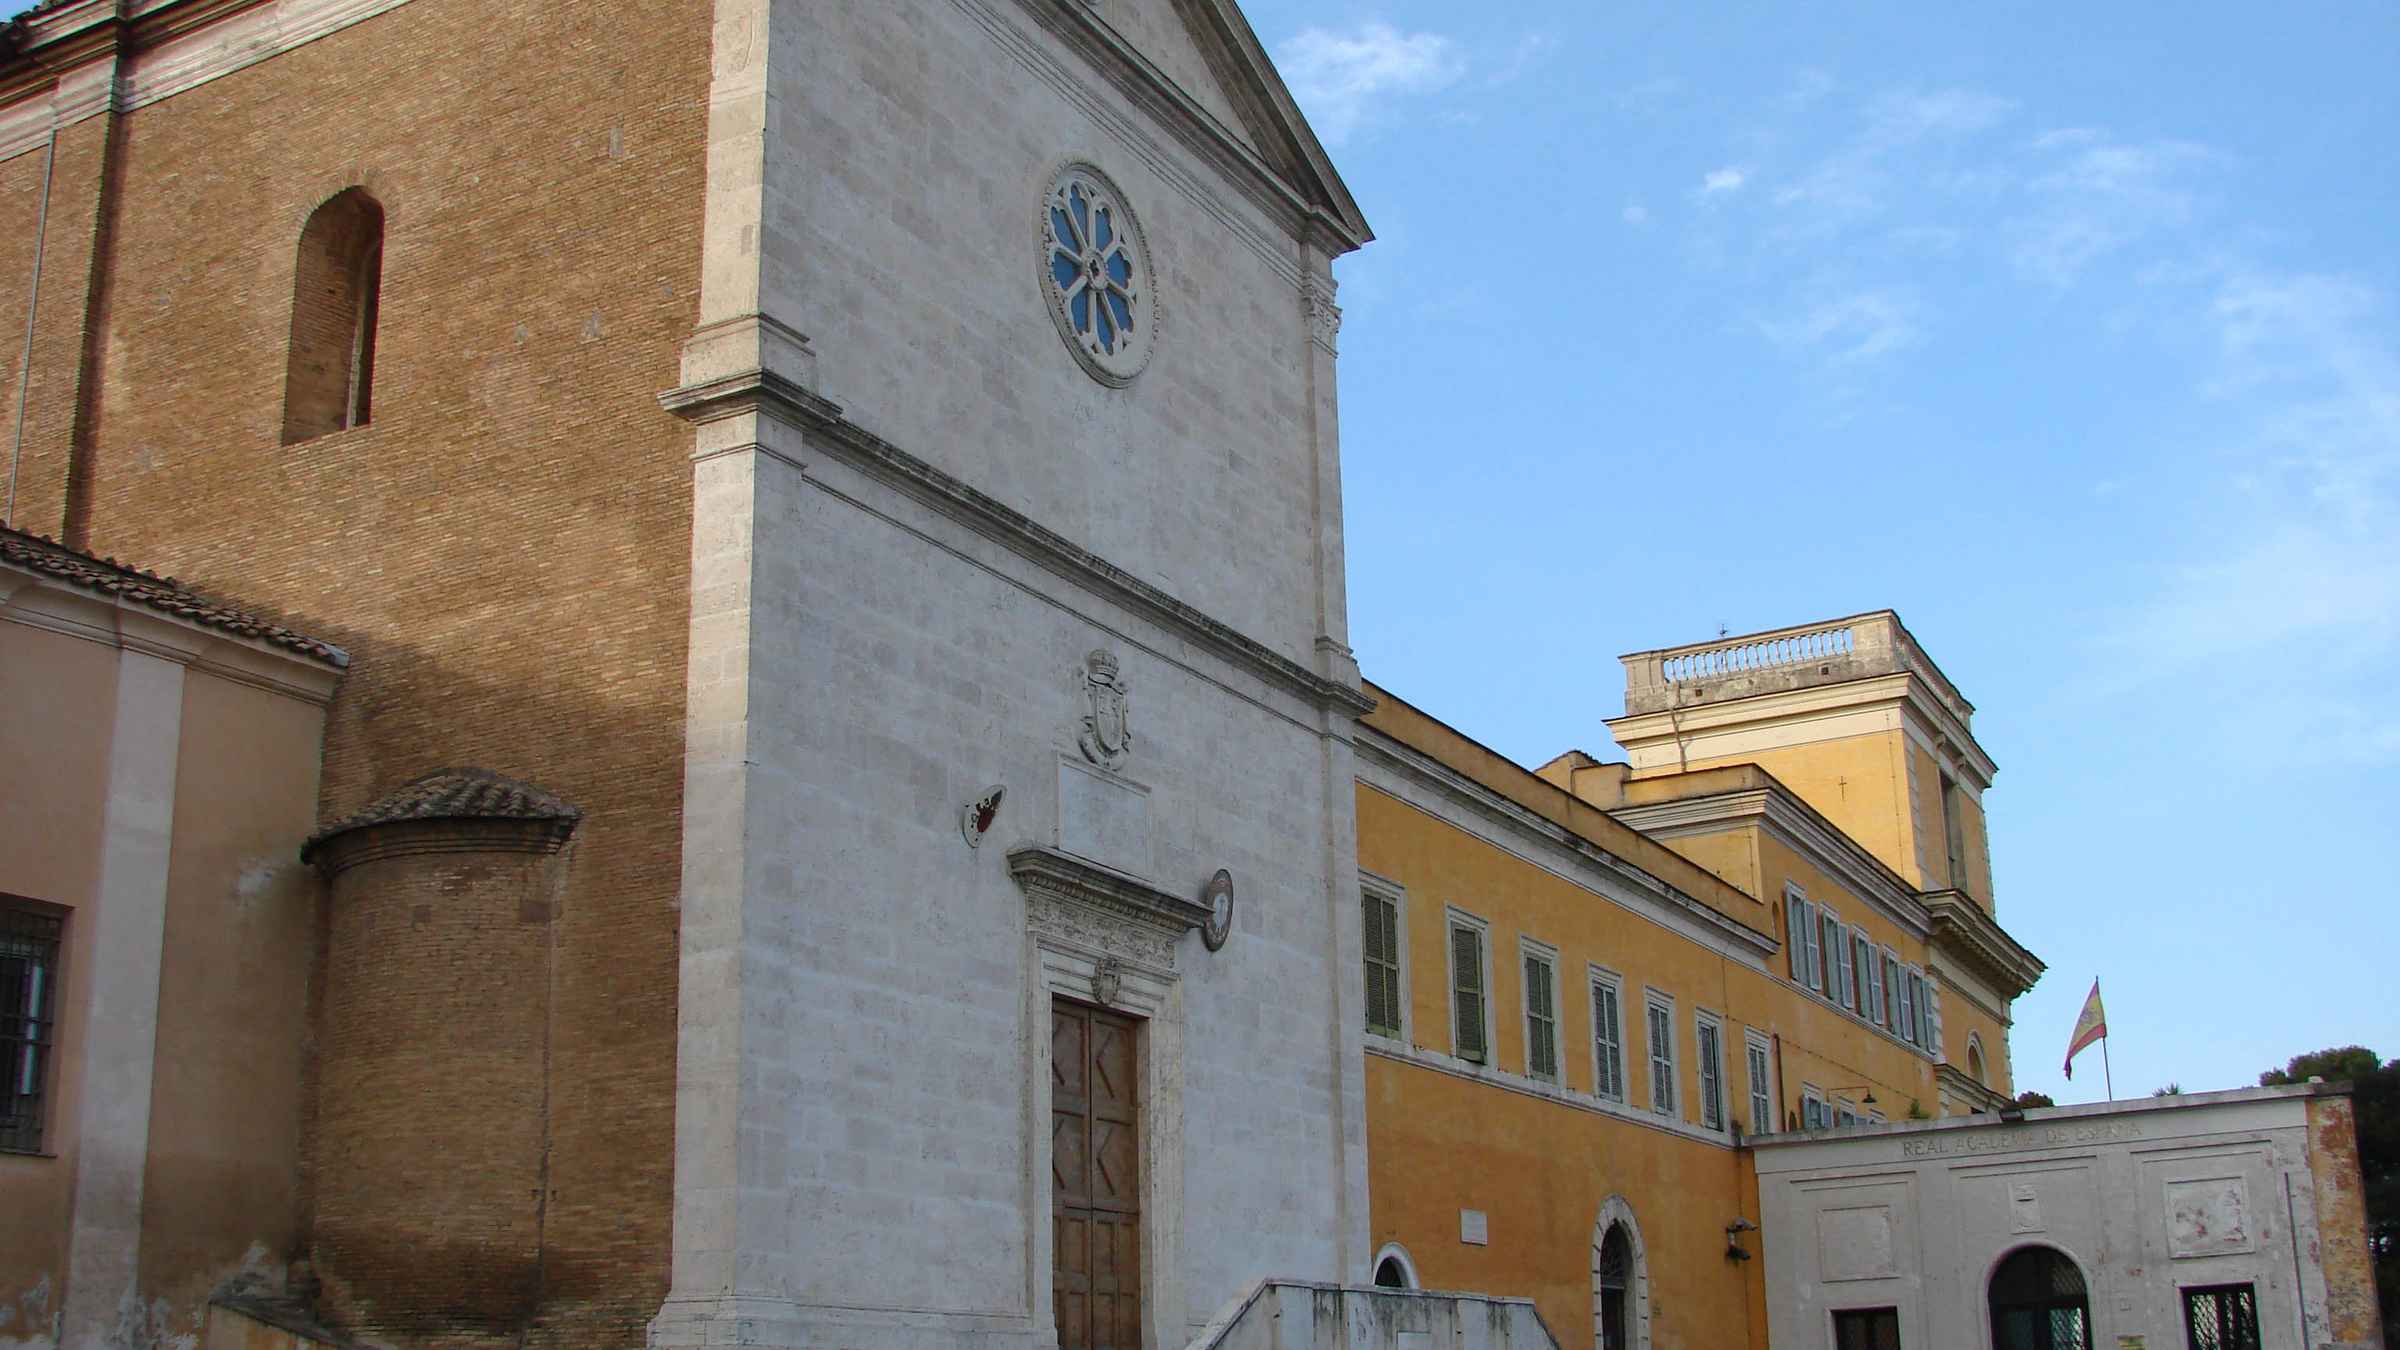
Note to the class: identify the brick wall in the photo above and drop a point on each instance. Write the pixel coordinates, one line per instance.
(504, 550)
(430, 1197)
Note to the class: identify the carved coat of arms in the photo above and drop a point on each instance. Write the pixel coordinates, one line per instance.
(1107, 737)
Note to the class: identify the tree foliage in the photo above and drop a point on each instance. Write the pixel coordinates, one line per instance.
(2375, 1093)
(2030, 1098)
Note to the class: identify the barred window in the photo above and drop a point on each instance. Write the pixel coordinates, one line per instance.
(28, 996)
(2221, 1317)
(1380, 934)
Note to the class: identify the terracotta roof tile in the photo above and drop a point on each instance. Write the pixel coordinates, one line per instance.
(152, 591)
(453, 794)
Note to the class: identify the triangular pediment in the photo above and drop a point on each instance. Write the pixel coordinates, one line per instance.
(1206, 51)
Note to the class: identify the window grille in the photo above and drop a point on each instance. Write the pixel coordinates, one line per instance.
(2221, 1317)
(1541, 1019)
(1866, 1329)
(1662, 1059)
(1466, 984)
(28, 997)
(1380, 931)
(1608, 1041)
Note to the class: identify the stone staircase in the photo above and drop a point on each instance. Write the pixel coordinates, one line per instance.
(1298, 1315)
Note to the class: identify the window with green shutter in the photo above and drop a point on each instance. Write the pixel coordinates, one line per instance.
(1608, 1042)
(1711, 1043)
(1466, 994)
(1541, 1018)
(1662, 1058)
(1380, 933)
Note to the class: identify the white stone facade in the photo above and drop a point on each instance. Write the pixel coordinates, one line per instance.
(2148, 1198)
(916, 515)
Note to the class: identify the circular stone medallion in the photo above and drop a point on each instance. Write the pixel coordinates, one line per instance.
(1218, 896)
(1095, 273)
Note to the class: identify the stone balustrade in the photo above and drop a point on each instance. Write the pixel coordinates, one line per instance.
(1299, 1315)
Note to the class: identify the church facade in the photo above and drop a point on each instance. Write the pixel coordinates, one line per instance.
(870, 715)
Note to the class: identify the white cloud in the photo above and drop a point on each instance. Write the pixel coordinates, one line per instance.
(1530, 52)
(1852, 327)
(1728, 179)
(1342, 79)
(2094, 196)
(2289, 568)
(1636, 214)
(1894, 156)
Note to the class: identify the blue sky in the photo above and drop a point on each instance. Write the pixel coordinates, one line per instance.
(2071, 334)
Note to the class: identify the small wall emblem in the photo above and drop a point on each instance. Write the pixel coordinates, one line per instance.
(975, 821)
(1107, 736)
(1108, 979)
(1218, 896)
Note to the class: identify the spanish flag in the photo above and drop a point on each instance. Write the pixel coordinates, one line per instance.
(2092, 1026)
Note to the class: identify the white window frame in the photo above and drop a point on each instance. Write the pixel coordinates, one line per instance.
(1453, 919)
(1845, 1113)
(1875, 1005)
(1758, 1064)
(1712, 1097)
(1383, 888)
(1530, 950)
(1608, 1059)
(1814, 1114)
(1655, 1002)
(1864, 976)
(1895, 977)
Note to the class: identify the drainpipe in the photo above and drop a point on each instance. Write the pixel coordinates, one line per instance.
(33, 307)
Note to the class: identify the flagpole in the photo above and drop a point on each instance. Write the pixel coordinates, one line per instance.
(2107, 1074)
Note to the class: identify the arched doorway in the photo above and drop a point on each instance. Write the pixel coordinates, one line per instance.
(1393, 1269)
(2039, 1302)
(1620, 1280)
(1975, 1067)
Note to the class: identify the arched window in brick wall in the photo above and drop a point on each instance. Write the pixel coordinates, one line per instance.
(330, 377)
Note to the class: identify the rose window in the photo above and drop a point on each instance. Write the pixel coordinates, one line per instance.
(1096, 271)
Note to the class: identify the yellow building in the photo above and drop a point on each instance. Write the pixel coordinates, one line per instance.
(1588, 985)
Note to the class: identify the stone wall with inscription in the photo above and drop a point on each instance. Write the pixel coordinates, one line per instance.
(2149, 1199)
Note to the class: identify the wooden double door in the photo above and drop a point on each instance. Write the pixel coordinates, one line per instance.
(1095, 1178)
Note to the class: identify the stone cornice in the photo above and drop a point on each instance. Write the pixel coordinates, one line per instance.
(1959, 1083)
(768, 394)
(175, 45)
(1832, 851)
(1059, 875)
(1963, 931)
(1374, 748)
(1299, 185)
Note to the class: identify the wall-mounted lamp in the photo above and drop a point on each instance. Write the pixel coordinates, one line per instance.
(1734, 1250)
(1868, 1100)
